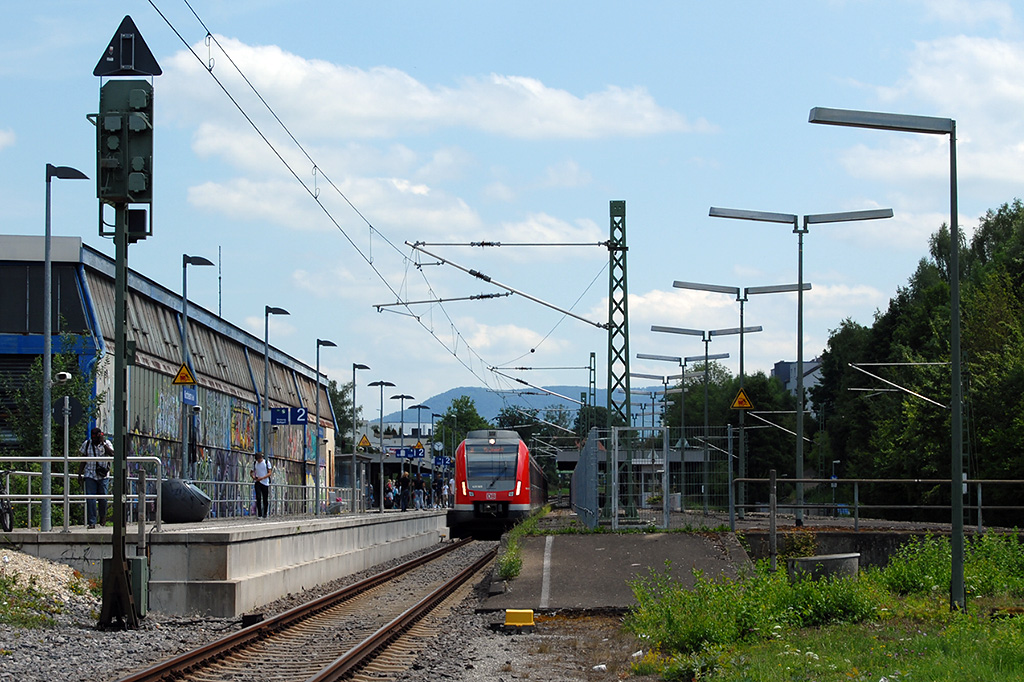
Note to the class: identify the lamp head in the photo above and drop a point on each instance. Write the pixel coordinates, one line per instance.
(271, 310)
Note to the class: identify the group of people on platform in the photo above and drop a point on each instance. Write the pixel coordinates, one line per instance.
(416, 491)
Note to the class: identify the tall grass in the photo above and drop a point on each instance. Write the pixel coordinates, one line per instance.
(762, 626)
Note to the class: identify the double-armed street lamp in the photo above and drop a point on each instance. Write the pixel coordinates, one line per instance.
(401, 397)
(741, 298)
(800, 231)
(265, 411)
(380, 455)
(61, 173)
(355, 366)
(706, 336)
(419, 436)
(186, 435)
(317, 441)
(930, 125)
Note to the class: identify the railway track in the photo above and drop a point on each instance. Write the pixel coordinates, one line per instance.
(371, 629)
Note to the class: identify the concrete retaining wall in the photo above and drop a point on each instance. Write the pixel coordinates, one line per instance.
(226, 569)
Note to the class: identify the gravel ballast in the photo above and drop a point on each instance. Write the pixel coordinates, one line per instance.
(467, 647)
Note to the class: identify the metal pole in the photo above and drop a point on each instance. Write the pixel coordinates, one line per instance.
(45, 518)
(265, 407)
(957, 594)
(184, 360)
(355, 366)
(741, 492)
(800, 372)
(704, 477)
(67, 475)
(316, 440)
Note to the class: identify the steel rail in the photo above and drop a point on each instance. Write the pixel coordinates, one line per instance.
(177, 667)
(372, 646)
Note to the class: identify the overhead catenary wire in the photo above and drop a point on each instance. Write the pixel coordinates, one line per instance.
(314, 191)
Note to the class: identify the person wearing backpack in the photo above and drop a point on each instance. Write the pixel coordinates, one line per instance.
(93, 474)
(261, 471)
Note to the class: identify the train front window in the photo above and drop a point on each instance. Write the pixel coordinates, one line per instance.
(491, 467)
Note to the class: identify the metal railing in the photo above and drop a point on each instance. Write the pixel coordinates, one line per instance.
(33, 501)
(856, 506)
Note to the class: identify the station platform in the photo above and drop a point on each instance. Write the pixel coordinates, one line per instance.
(226, 567)
(593, 571)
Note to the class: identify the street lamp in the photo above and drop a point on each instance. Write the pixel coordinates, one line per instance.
(380, 455)
(930, 125)
(186, 260)
(401, 397)
(355, 366)
(433, 416)
(789, 219)
(316, 430)
(706, 338)
(419, 436)
(61, 173)
(265, 431)
(741, 299)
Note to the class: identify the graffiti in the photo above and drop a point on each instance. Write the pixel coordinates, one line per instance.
(167, 410)
(243, 427)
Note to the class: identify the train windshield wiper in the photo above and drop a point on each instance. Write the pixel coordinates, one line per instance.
(498, 475)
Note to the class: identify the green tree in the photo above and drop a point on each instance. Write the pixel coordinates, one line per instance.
(460, 418)
(23, 415)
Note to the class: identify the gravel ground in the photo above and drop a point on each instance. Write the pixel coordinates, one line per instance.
(562, 647)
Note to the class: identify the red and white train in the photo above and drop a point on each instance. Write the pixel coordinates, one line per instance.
(497, 483)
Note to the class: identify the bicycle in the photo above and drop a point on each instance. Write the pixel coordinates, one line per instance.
(6, 512)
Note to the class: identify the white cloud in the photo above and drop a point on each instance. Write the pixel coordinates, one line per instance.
(969, 12)
(566, 174)
(499, 191)
(324, 100)
(7, 138)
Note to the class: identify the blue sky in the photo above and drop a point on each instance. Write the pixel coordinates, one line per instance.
(458, 122)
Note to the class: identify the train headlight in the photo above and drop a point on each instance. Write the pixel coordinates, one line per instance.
(519, 487)
(463, 487)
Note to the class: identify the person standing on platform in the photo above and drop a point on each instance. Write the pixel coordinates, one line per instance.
(417, 491)
(93, 475)
(403, 490)
(261, 471)
(445, 495)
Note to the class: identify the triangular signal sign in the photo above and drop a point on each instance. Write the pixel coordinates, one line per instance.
(742, 402)
(127, 54)
(365, 442)
(184, 376)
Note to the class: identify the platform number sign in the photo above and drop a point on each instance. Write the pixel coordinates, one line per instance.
(298, 415)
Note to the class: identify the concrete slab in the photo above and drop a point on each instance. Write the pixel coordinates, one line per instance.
(594, 571)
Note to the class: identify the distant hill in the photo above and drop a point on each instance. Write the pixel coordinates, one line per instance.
(489, 403)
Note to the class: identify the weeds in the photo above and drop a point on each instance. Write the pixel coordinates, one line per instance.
(23, 605)
(891, 623)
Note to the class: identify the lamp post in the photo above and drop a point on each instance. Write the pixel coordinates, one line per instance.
(401, 397)
(789, 219)
(186, 260)
(741, 299)
(706, 337)
(61, 173)
(265, 410)
(434, 416)
(930, 125)
(355, 366)
(316, 431)
(380, 456)
(419, 436)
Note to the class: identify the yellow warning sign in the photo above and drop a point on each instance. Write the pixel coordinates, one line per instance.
(419, 445)
(742, 402)
(365, 442)
(184, 376)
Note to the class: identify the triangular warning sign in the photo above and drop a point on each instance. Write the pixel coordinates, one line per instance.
(184, 376)
(742, 402)
(127, 54)
(365, 442)
(419, 445)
